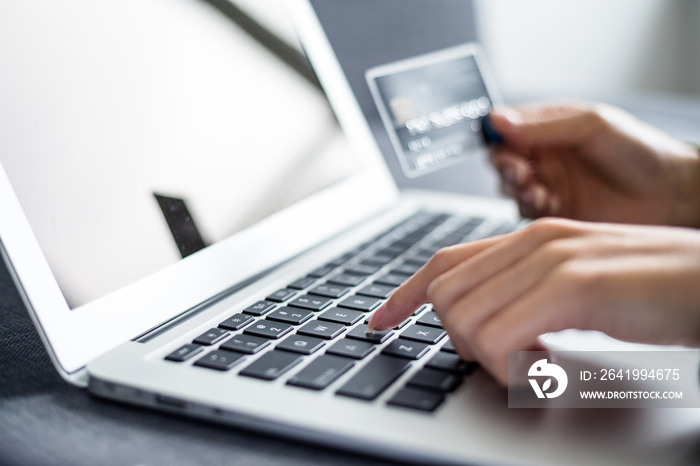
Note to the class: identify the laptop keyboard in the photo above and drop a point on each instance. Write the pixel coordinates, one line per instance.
(322, 315)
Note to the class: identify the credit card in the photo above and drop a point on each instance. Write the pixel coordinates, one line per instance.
(434, 107)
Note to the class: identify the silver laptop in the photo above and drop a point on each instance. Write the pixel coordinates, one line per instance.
(171, 260)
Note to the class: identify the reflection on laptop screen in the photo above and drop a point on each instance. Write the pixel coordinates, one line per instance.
(133, 140)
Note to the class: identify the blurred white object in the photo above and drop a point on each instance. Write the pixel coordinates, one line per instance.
(593, 47)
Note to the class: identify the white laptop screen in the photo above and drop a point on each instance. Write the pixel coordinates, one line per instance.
(135, 133)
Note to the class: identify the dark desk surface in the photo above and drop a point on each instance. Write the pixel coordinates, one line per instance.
(44, 420)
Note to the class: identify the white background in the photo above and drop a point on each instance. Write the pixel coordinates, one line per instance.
(592, 47)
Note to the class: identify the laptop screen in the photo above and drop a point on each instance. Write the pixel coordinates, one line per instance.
(132, 142)
(135, 134)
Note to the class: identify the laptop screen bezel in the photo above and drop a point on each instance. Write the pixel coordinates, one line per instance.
(73, 337)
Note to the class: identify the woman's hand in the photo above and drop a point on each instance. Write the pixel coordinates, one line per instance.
(597, 163)
(635, 283)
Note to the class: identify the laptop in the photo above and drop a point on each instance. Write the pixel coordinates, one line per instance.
(213, 282)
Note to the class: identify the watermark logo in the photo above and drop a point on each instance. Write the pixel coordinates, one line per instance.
(542, 368)
(603, 379)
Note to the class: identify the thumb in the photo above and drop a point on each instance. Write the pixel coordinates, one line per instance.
(543, 125)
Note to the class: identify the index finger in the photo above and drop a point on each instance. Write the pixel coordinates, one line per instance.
(413, 293)
(556, 124)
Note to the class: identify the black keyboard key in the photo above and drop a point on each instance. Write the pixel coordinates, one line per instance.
(359, 333)
(451, 363)
(301, 344)
(342, 316)
(340, 260)
(398, 327)
(321, 271)
(375, 377)
(259, 308)
(378, 260)
(211, 336)
(454, 237)
(446, 241)
(290, 315)
(325, 330)
(302, 283)
(426, 253)
(502, 229)
(431, 379)
(236, 322)
(423, 334)
(220, 360)
(247, 344)
(360, 303)
(419, 258)
(351, 348)
(391, 279)
(402, 324)
(362, 269)
(416, 398)
(329, 290)
(272, 365)
(430, 319)
(313, 303)
(184, 353)
(282, 295)
(347, 279)
(322, 372)
(403, 243)
(449, 347)
(421, 309)
(406, 349)
(269, 329)
(467, 227)
(392, 251)
(406, 269)
(439, 219)
(414, 237)
(430, 250)
(377, 291)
